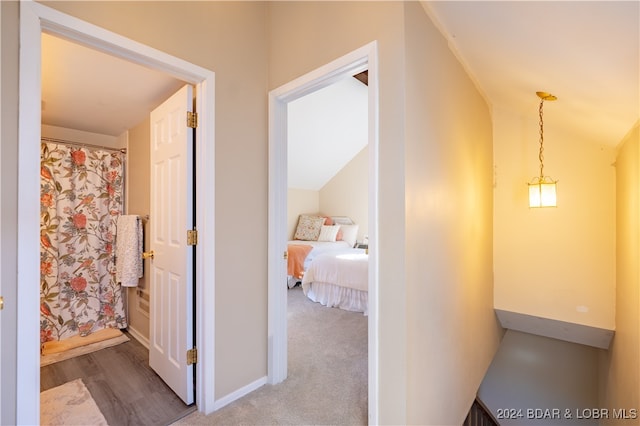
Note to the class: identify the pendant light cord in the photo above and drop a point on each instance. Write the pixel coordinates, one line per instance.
(540, 155)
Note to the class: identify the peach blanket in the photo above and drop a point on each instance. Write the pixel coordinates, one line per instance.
(296, 255)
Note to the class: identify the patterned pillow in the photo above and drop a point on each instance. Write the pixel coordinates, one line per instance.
(308, 228)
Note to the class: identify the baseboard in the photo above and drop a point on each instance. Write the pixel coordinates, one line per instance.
(228, 399)
(138, 336)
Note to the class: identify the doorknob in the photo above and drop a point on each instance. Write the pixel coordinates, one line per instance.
(148, 254)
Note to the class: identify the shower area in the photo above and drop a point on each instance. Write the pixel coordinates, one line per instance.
(81, 198)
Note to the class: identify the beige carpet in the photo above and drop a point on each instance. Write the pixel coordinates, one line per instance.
(69, 404)
(327, 383)
(76, 346)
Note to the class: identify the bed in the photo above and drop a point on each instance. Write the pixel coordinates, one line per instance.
(301, 254)
(339, 279)
(322, 258)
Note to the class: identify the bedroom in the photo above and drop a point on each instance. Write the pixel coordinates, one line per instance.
(327, 175)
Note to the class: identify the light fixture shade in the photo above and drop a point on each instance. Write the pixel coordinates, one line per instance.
(542, 192)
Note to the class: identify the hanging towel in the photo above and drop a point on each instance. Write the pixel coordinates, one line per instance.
(129, 250)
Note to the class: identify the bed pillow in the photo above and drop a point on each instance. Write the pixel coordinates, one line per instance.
(342, 220)
(308, 228)
(328, 233)
(327, 220)
(349, 234)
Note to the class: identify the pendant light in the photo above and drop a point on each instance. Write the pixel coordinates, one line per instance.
(542, 189)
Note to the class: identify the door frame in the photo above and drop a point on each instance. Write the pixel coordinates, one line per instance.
(356, 61)
(36, 18)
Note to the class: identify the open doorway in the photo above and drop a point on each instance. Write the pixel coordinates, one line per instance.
(36, 18)
(327, 301)
(92, 103)
(346, 66)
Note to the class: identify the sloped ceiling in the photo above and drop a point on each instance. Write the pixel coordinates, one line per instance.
(587, 53)
(326, 129)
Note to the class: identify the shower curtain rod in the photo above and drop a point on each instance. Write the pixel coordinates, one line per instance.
(86, 145)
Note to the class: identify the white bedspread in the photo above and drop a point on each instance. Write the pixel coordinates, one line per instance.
(348, 269)
(339, 280)
(321, 247)
(318, 247)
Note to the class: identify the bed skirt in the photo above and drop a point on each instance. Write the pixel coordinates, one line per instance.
(334, 296)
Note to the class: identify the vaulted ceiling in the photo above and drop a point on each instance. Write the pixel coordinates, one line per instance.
(587, 53)
(327, 129)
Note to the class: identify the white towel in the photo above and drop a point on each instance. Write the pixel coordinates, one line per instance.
(129, 250)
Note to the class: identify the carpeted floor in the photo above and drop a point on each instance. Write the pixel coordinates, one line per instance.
(327, 382)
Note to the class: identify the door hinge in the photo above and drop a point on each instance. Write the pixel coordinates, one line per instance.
(192, 119)
(192, 356)
(192, 237)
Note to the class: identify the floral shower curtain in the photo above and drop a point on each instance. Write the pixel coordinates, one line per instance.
(80, 200)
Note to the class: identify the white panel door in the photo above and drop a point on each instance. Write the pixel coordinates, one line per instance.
(171, 269)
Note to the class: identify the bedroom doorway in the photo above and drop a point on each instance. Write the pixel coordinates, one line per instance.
(35, 19)
(345, 67)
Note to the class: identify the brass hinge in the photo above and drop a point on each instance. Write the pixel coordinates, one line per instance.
(192, 356)
(192, 237)
(192, 119)
(285, 255)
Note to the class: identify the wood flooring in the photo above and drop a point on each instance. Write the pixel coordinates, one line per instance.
(123, 385)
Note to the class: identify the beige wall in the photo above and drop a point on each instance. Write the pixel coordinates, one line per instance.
(8, 207)
(347, 193)
(435, 247)
(74, 135)
(138, 202)
(452, 331)
(229, 38)
(354, 24)
(300, 201)
(437, 328)
(619, 367)
(556, 263)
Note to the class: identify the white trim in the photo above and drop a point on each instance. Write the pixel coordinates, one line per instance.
(28, 387)
(374, 287)
(35, 18)
(138, 336)
(237, 394)
(2, 384)
(205, 250)
(349, 64)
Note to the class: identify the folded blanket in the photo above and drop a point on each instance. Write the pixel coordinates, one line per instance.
(296, 255)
